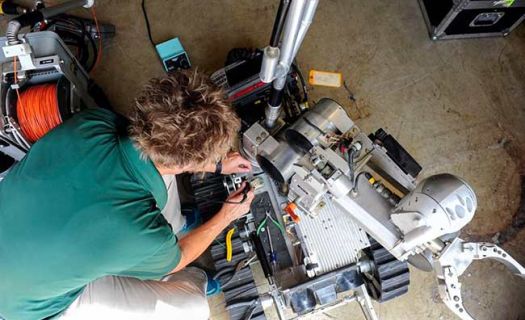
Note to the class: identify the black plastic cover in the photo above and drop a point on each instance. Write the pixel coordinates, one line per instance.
(396, 152)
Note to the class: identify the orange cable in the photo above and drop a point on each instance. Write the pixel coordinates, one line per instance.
(39, 113)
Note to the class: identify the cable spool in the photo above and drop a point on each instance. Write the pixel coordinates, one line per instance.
(38, 110)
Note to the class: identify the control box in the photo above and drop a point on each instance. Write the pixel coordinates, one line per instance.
(173, 55)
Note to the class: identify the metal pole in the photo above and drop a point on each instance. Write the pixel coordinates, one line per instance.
(308, 17)
(64, 7)
(293, 22)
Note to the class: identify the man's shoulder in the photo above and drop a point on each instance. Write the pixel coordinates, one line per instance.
(96, 117)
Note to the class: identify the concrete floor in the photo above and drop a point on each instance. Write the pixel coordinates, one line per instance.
(457, 106)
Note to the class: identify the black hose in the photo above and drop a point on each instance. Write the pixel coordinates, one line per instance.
(356, 181)
(279, 22)
(14, 26)
(351, 154)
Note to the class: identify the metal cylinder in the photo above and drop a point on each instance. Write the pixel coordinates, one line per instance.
(269, 64)
(291, 29)
(279, 164)
(326, 117)
(306, 21)
(64, 7)
(271, 114)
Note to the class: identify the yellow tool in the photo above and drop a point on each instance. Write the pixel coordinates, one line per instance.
(229, 249)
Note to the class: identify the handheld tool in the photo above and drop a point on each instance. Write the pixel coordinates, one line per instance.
(264, 222)
(232, 272)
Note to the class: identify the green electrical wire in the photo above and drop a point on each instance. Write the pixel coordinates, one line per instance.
(261, 225)
(506, 3)
(264, 222)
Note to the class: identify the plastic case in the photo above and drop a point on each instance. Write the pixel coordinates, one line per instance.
(455, 19)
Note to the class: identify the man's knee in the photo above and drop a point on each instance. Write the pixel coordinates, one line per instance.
(181, 295)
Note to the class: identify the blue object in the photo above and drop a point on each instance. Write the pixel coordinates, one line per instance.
(213, 287)
(173, 55)
(193, 219)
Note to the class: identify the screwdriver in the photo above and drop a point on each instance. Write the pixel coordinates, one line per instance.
(273, 255)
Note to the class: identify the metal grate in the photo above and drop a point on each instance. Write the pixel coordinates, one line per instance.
(331, 239)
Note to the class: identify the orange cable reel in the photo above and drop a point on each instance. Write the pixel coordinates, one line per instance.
(38, 111)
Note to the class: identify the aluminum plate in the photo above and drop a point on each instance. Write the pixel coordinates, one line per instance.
(332, 239)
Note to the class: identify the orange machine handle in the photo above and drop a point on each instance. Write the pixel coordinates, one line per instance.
(290, 209)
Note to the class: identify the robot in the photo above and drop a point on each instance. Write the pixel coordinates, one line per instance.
(337, 210)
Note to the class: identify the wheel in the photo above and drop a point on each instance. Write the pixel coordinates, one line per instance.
(389, 278)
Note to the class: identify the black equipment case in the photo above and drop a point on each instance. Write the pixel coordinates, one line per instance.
(454, 19)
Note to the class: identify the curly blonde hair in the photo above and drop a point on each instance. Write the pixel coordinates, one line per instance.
(183, 119)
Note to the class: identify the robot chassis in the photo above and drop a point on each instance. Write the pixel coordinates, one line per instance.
(352, 212)
(331, 206)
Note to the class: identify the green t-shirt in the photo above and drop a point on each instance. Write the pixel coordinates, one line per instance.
(81, 205)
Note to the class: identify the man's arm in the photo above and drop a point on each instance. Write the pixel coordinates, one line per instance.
(198, 240)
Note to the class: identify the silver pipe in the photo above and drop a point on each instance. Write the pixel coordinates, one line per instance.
(271, 114)
(293, 22)
(291, 28)
(269, 64)
(63, 8)
(308, 17)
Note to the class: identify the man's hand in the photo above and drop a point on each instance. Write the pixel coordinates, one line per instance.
(235, 163)
(235, 207)
(194, 243)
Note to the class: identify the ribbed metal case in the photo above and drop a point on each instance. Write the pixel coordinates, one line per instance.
(332, 239)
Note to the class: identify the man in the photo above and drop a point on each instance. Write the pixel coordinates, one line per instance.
(81, 229)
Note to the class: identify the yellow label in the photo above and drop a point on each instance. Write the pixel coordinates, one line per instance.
(325, 78)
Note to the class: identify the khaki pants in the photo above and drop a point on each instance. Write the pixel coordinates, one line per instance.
(178, 296)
